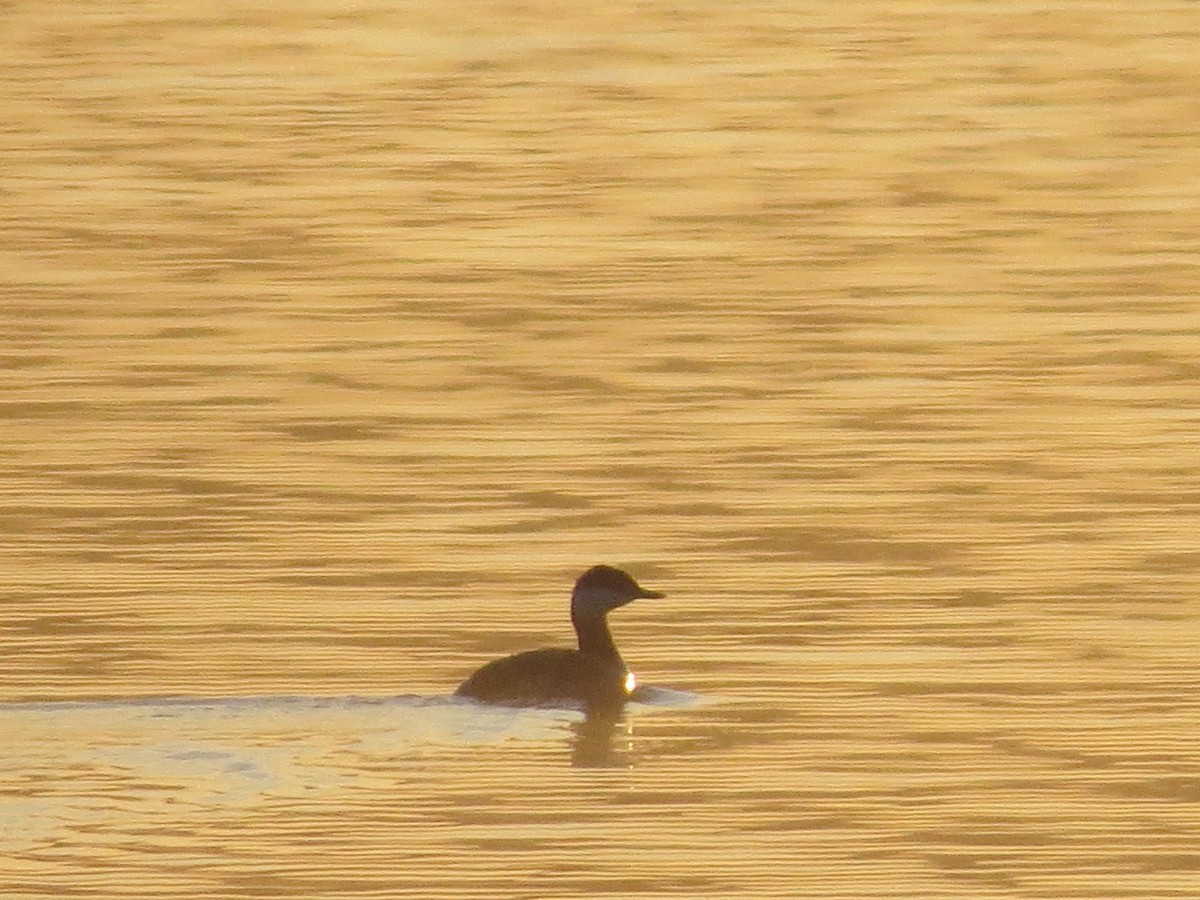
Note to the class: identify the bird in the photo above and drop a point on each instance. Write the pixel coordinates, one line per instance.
(592, 676)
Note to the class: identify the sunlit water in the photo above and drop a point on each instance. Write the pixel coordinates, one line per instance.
(337, 340)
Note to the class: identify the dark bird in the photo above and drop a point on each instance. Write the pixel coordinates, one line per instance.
(594, 675)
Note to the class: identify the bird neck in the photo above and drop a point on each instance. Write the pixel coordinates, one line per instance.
(594, 637)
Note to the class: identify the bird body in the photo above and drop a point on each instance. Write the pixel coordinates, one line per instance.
(548, 676)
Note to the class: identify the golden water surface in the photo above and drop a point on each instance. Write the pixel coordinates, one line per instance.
(337, 338)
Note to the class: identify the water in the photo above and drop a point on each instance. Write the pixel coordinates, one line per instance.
(335, 342)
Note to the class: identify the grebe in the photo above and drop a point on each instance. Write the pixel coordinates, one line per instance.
(594, 675)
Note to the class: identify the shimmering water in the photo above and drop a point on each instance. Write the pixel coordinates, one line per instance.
(336, 340)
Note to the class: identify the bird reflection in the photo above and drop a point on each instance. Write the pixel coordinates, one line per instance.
(603, 739)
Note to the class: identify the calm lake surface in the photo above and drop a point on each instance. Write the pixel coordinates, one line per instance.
(337, 339)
